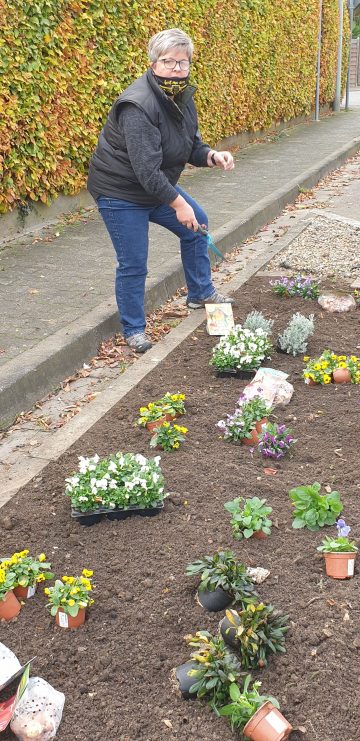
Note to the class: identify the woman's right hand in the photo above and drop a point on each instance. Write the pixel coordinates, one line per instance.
(184, 213)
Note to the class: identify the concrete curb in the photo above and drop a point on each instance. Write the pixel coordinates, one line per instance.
(64, 438)
(36, 372)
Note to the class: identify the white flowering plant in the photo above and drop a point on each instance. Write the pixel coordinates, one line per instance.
(241, 349)
(119, 481)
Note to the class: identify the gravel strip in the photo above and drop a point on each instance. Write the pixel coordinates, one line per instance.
(326, 248)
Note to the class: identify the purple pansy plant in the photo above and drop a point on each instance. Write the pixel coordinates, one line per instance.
(275, 441)
(342, 528)
(299, 285)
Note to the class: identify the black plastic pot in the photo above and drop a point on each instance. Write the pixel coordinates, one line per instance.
(236, 373)
(93, 517)
(214, 601)
(185, 682)
(228, 631)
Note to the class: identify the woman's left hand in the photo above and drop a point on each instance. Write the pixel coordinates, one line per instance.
(224, 160)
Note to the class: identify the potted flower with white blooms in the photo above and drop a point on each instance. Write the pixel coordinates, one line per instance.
(241, 352)
(117, 486)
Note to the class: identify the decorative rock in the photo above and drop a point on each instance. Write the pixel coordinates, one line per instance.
(258, 574)
(337, 301)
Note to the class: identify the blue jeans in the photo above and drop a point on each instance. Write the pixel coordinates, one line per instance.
(128, 226)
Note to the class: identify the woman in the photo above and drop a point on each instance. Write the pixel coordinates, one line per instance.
(150, 134)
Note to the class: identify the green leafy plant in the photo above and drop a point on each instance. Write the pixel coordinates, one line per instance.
(224, 571)
(118, 481)
(218, 667)
(249, 516)
(71, 593)
(28, 570)
(295, 336)
(168, 436)
(255, 632)
(256, 320)
(340, 544)
(241, 349)
(173, 402)
(245, 703)
(312, 509)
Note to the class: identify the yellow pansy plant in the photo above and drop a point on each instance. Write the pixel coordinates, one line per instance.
(27, 569)
(71, 593)
(168, 436)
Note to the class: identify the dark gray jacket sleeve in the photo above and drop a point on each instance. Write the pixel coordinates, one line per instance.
(199, 152)
(143, 144)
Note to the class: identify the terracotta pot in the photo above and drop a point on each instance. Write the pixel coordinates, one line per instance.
(267, 724)
(22, 593)
(156, 423)
(170, 417)
(67, 621)
(259, 535)
(341, 375)
(311, 382)
(9, 606)
(340, 565)
(260, 423)
(253, 440)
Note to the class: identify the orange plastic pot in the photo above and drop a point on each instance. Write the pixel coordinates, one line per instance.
(63, 620)
(22, 593)
(253, 440)
(340, 565)
(260, 423)
(341, 375)
(156, 423)
(9, 606)
(311, 382)
(259, 535)
(267, 724)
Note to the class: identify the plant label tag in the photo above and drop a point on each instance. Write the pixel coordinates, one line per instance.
(275, 722)
(220, 318)
(63, 620)
(351, 565)
(31, 591)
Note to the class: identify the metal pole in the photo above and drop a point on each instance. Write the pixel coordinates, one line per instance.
(318, 65)
(337, 101)
(351, 12)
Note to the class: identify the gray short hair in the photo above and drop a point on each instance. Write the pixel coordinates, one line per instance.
(165, 40)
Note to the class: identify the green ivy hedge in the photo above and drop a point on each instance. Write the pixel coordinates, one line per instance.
(62, 62)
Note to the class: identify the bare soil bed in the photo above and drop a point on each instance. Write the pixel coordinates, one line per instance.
(115, 671)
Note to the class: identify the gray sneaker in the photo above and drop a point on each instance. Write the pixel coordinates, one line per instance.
(139, 342)
(215, 298)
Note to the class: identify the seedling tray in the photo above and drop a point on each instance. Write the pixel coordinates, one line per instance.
(94, 516)
(235, 373)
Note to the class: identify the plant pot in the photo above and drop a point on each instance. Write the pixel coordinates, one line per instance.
(170, 417)
(311, 382)
(9, 606)
(63, 620)
(259, 535)
(341, 375)
(228, 631)
(267, 724)
(253, 440)
(156, 423)
(340, 565)
(260, 423)
(185, 682)
(214, 601)
(22, 593)
(236, 373)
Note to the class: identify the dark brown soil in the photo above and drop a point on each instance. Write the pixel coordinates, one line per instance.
(115, 672)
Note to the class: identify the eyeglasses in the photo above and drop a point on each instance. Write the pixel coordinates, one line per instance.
(184, 64)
